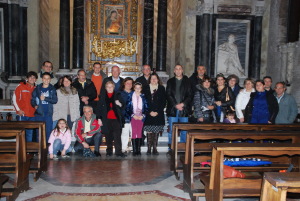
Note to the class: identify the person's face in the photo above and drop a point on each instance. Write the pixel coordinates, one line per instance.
(220, 81)
(115, 71)
(87, 113)
(231, 39)
(232, 82)
(31, 80)
(47, 67)
(260, 87)
(110, 88)
(113, 15)
(97, 68)
(128, 85)
(178, 71)
(206, 84)
(248, 85)
(66, 82)
(230, 117)
(138, 89)
(154, 80)
(146, 70)
(201, 70)
(62, 125)
(268, 83)
(81, 76)
(46, 79)
(279, 89)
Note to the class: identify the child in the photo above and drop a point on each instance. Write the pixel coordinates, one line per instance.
(230, 117)
(60, 140)
(136, 110)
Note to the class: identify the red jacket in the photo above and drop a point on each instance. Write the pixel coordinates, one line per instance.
(94, 128)
(22, 99)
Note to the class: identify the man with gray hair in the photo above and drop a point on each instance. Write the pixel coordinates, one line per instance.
(87, 132)
(144, 79)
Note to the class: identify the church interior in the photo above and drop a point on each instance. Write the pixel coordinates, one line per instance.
(74, 34)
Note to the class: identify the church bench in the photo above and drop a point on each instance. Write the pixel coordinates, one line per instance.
(217, 187)
(191, 162)
(179, 148)
(39, 164)
(15, 162)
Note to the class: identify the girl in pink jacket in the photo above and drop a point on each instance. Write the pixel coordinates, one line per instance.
(60, 140)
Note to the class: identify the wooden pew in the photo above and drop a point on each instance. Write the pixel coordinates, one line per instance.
(37, 166)
(15, 161)
(216, 187)
(179, 148)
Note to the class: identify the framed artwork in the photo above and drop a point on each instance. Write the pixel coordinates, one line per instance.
(114, 17)
(232, 45)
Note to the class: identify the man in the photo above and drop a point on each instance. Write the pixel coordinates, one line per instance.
(115, 71)
(288, 109)
(97, 76)
(86, 90)
(46, 67)
(144, 79)
(87, 131)
(197, 77)
(179, 97)
(268, 84)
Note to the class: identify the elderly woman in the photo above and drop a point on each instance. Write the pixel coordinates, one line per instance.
(68, 103)
(262, 107)
(243, 98)
(204, 102)
(224, 98)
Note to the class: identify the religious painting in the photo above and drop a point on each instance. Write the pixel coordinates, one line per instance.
(114, 17)
(232, 47)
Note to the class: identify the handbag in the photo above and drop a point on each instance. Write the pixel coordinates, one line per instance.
(227, 98)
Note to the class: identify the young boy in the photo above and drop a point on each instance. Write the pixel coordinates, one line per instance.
(43, 98)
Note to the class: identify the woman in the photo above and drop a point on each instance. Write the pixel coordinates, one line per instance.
(204, 102)
(68, 103)
(233, 83)
(224, 98)
(262, 107)
(110, 113)
(155, 119)
(126, 93)
(243, 98)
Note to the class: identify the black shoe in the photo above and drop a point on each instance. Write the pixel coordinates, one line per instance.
(121, 155)
(109, 154)
(97, 154)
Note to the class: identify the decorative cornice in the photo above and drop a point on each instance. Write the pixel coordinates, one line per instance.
(206, 8)
(260, 10)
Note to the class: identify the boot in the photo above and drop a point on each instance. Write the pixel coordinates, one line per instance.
(138, 145)
(134, 150)
(155, 142)
(149, 143)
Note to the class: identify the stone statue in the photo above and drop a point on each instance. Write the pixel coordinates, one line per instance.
(228, 58)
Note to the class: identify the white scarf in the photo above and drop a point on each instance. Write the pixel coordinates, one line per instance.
(153, 87)
(137, 103)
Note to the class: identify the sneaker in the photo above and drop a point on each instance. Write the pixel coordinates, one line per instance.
(55, 157)
(65, 156)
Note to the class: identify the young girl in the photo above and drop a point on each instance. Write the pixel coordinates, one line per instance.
(60, 139)
(230, 117)
(136, 110)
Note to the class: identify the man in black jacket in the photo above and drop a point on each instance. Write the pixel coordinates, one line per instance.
(197, 77)
(115, 77)
(86, 90)
(144, 79)
(179, 97)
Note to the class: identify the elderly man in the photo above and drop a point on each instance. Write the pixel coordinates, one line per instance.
(197, 77)
(87, 131)
(288, 109)
(115, 72)
(47, 66)
(144, 79)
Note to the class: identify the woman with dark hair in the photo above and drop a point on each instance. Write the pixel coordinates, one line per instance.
(68, 104)
(204, 102)
(155, 119)
(233, 84)
(262, 107)
(224, 98)
(126, 93)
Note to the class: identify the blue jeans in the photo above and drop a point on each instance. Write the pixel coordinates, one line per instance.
(172, 120)
(58, 146)
(29, 132)
(48, 121)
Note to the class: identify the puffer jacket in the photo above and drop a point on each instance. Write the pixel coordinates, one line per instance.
(203, 98)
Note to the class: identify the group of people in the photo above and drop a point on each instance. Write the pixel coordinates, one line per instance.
(94, 104)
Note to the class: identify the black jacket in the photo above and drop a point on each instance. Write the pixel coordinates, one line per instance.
(185, 96)
(89, 90)
(157, 104)
(221, 96)
(195, 80)
(143, 81)
(102, 112)
(273, 107)
(109, 79)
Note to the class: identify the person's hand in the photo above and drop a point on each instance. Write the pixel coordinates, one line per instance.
(85, 145)
(100, 122)
(84, 99)
(201, 119)
(269, 122)
(42, 97)
(20, 112)
(118, 103)
(51, 156)
(179, 106)
(35, 107)
(210, 107)
(242, 120)
(153, 114)
(218, 103)
(136, 117)
(84, 135)
(63, 152)
(141, 117)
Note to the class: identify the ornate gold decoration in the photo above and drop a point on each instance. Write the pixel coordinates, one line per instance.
(115, 48)
(94, 16)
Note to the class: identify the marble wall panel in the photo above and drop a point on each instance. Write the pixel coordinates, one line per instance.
(44, 31)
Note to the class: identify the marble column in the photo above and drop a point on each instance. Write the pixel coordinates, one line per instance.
(161, 52)
(78, 34)
(64, 35)
(23, 69)
(148, 32)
